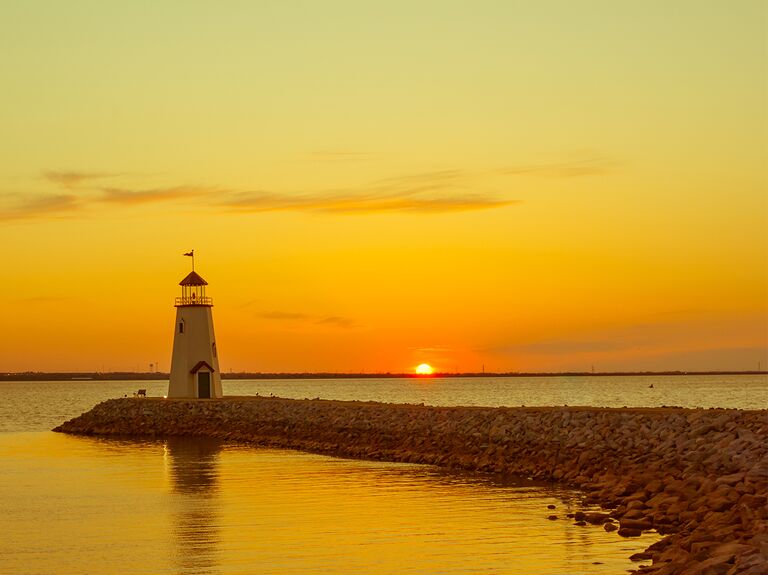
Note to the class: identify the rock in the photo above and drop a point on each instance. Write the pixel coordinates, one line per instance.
(633, 514)
(719, 565)
(753, 501)
(596, 518)
(641, 556)
(654, 486)
(640, 524)
(731, 479)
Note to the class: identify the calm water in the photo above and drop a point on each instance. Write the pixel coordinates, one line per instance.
(38, 406)
(73, 505)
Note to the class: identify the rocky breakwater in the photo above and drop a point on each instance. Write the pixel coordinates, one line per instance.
(698, 477)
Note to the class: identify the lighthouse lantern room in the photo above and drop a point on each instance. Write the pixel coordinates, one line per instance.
(195, 364)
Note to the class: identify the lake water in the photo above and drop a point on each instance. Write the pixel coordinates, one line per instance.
(76, 505)
(38, 406)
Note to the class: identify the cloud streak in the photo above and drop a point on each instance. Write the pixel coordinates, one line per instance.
(573, 169)
(136, 197)
(336, 321)
(254, 202)
(305, 318)
(432, 192)
(282, 315)
(672, 329)
(71, 179)
(434, 349)
(40, 207)
(557, 347)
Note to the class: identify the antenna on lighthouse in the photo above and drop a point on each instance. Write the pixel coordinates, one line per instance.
(191, 255)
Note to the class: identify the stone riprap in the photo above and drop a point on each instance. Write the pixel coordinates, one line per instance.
(699, 477)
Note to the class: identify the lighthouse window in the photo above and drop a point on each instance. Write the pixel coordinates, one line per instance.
(181, 327)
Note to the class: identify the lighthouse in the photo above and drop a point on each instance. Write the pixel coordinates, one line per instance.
(195, 364)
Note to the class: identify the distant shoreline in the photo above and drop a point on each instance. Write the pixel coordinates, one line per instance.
(127, 375)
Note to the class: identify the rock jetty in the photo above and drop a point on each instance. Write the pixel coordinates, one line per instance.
(698, 477)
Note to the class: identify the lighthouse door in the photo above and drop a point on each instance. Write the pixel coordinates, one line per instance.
(203, 384)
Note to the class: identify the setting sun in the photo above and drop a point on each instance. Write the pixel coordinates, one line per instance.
(424, 369)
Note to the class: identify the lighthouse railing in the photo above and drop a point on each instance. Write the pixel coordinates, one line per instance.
(194, 301)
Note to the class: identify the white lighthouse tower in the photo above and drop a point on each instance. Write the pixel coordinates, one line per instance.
(195, 364)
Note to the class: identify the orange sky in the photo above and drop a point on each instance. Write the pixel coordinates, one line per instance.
(525, 186)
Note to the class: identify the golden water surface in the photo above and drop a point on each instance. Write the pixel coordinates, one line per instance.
(73, 505)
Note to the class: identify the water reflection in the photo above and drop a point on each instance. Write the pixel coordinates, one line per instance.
(576, 543)
(192, 465)
(195, 506)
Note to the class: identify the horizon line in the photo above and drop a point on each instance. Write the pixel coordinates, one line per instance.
(160, 375)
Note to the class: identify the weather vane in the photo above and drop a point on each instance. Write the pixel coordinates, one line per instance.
(192, 255)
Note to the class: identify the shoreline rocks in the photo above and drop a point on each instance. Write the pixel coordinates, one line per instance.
(698, 477)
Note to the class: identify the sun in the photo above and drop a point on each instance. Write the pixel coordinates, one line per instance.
(424, 369)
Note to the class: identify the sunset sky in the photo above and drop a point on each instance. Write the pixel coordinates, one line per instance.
(367, 186)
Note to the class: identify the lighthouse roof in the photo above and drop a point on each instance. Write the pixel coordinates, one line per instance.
(193, 279)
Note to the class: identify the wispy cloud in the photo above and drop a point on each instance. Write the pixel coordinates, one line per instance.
(434, 349)
(672, 329)
(572, 169)
(41, 206)
(70, 179)
(565, 346)
(432, 177)
(133, 197)
(282, 315)
(607, 339)
(358, 204)
(439, 191)
(308, 319)
(412, 184)
(336, 321)
(430, 192)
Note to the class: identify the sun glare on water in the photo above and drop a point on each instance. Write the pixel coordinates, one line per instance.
(424, 369)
